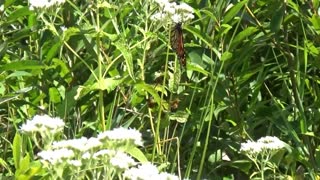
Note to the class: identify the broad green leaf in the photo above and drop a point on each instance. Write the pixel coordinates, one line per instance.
(25, 163)
(68, 103)
(23, 33)
(108, 84)
(63, 69)
(138, 154)
(54, 95)
(8, 3)
(315, 20)
(16, 150)
(18, 74)
(151, 90)
(179, 116)
(243, 35)
(22, 65)
(233, 11)
(215, 157)
(277, 19)
(19, 13)
(242, 165)
(203, 37)
(226, 56)
(220, 107)
(53, 51)
(72, 31)
(197, 68)
(127, 56)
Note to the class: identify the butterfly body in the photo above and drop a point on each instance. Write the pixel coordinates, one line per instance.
(177, 43)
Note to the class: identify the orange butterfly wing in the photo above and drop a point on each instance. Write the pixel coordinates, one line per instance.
(178, 44)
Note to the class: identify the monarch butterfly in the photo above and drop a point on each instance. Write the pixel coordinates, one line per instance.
(177, 44)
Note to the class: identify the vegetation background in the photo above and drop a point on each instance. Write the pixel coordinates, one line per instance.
(252, 70)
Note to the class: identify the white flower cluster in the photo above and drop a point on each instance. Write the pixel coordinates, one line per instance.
(44, 4)
(147, 171)
(268, 143)
(83, 144)
(76, 151)
(104, 150)
(43, 124)
(56, 156)
(122, 133)
(177, 13)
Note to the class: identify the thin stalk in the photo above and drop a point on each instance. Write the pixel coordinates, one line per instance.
(157, 135)
(100, 75)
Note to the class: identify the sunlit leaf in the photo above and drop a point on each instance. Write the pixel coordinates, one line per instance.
(179, 116)
(22, 65)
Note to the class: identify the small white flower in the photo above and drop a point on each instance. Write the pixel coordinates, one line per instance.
(143, 172)
(75, 163)
(38, 4)
(187, 17)
(122, 134)
(86, 155)
(93, 143)
(104, 152)
(178, 13)
(43, 124)
(271, 143)
(122, 160)
(251, 147)
(162, 3)
(185, 8)
(83, 144)
(176, 18)
(42, 4)
(158, 16)
(63, 28)
(170, 8)
(78, 144)
(167, 176)
(56, 156)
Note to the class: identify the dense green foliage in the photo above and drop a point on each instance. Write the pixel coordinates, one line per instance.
(252, 71)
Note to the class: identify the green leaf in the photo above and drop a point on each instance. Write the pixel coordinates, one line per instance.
(203, 37)
(242, 165)
(197, 68)
(22, 65)
(68, 103)
(53, 51)
(138, 154)
(243, 35)
(25, 164)
(16, 150)
(226, 56)
(151, 90)
(72, 31)
(315, 20)
(233, 11)
(123, 48)
(63, 69)
(277, 19)
(23, 33)
(54, 95)
(108, 84)
(18, 74)
(19, 13)
(179, 116)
